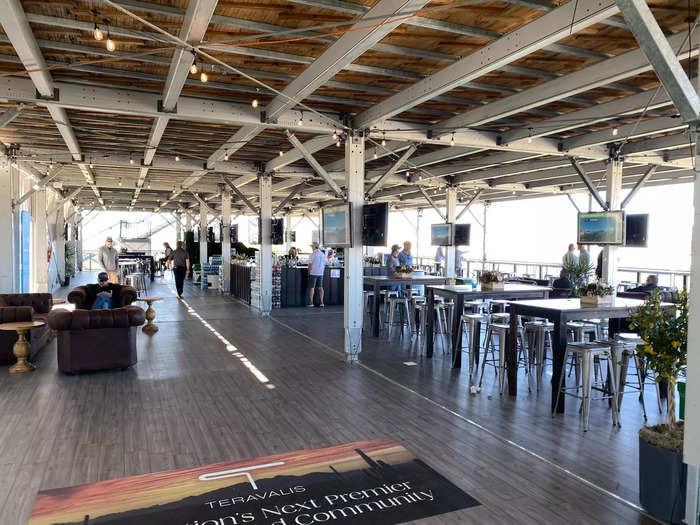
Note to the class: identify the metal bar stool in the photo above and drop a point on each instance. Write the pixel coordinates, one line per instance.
(537, 335)
(498, 305)
(416, 318)
(585, 352)
(474, 307)
(499, 330)
(400, 303)
(471, 322)
(633, 340)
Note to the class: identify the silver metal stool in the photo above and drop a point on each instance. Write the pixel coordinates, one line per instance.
(394, 303)
(474, 307)
(471, 322)
(499, 330)
(537, 334)
(585, 353)
(498, 305)
(138, 281)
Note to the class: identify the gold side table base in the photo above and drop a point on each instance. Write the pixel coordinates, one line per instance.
(150, 327)
(22, 350)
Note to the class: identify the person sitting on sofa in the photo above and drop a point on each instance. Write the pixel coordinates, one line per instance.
(104, 296)
(651, 284)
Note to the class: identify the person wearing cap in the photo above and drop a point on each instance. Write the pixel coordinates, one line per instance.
(103, 301)
(317, 265)
(108, 257)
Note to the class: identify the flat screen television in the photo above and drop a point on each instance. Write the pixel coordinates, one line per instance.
(462, 234)
(637, 230)
(277, 231)
(335, 226)
(602, 227)
(442, 234)
(375, 221)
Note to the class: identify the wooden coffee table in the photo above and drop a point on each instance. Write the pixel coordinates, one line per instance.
(150, 327)
(22, 349)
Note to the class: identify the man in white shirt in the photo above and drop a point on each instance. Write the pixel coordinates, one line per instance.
(317, 265)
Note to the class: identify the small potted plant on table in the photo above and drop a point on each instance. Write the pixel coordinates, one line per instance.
(662, 473)
(492, 280)
(596, 294)
(404, 271)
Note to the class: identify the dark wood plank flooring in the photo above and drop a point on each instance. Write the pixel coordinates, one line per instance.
(190, 401)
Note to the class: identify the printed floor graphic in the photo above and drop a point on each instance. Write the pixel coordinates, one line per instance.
(365, 482)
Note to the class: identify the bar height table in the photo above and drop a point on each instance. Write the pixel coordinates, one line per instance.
(560, 312)
(458, 293)
(383, 281)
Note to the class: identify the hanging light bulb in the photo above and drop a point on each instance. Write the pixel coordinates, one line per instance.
(281, 153)
(301, 119)
(203, 76)
(529, 137)
(92, 165)
(177, 159)
(615, 131)
(120, 183)
(131, 160)
(226, 156)
(376, 156)
(384, 139)
(337, 143)
(97, 33)
(111, 46)
(254, 103)
(452, 140)
(335, 134)
(193, 68)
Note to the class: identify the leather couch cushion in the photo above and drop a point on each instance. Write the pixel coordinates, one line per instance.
(2, 302)
(13, 314)
(92, 319)
(40, 302)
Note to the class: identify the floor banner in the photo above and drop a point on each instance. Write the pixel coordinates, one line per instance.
(366, 482)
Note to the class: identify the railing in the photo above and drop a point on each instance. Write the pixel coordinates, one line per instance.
(537, 270)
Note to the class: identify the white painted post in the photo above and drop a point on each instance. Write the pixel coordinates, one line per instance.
(287, 232)
(266, 244)
(40, 265)
(483, 239)
(451, 213)
(188, 222)
(7, 254)
(355, 183)
(203, 234)
(691, 454)
(226, 237)
(60, 242)
(613, 188)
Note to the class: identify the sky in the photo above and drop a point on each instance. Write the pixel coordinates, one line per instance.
(537, 230)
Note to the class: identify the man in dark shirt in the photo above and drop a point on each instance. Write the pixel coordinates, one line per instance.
(181, 267)
(651, 285)
(561, 287)
(103, 301)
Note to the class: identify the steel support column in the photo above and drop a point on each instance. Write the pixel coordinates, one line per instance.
(266, 245)
(225, 238)
(203, 256)
(613, 189)
(355, 184)
(40, 264)
(451, 214)
(7, 254)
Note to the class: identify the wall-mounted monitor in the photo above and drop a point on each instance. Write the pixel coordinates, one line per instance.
(335, 226)
(277, 231)
(602, 227)
(462, 234)
(442, 234)
(234, 233)
(637, 230)
(375, 221)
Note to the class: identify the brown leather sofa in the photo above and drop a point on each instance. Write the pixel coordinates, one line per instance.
(24, 307)
(90, 340)
(83, 297)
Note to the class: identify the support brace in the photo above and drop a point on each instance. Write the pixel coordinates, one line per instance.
(379, 183)
(588, 183)
(241, 196)
(432, 203)
(471, 201)
(314, 164)
(289, 197)
(649, 173)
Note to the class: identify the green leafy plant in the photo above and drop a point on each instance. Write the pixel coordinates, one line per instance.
(404, 268)
(665, 347)
(577, 274)
(491, 277)
(598, 288)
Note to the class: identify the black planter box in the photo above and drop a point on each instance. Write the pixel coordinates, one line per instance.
(662, 482)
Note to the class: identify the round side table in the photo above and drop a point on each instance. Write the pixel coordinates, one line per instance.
(150, 327)
(22, 349)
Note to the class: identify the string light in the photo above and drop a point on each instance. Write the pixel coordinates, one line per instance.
(111, 46)
(383, 139)
(376, 156)
(131, 160)
(92, 165)
(452, 140)
(203, 77)
(120, 183)
(281, 153)
(335, 134)
(337, 143)
(615, 131)
(254, 103)
(193, 68)
(301, 119)
(529, 137)
(177, 159)
(97, 33)
(226, 156)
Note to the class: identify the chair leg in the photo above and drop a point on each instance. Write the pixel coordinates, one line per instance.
(613, 387)
(586, 378)
(391, 321)
(486, 354)
(502, 362)
(408, 318)
(640, 379)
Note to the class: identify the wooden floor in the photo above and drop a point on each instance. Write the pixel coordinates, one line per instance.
(190, 401)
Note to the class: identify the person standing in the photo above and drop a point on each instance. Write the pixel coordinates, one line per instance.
(317, 266)
(584, 255)
(181, 267)
(570, 257)
(108, 258)
(405, 257)
(439, 258)
(165, 261)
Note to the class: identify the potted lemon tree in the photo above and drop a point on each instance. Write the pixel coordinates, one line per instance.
(662, 473)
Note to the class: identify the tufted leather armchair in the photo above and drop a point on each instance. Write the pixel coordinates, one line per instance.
(91, 340)
(23, 307)
(83, 297)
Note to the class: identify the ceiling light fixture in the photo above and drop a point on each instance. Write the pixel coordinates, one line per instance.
(301, 119)
(177, 158)
(97, 33)
(254, 103)
(131, 159)
(226, 156)
(111, 46)
(383, 139)
(452, 140)
(376, 156)
(281, 153)
(335, 134)
(203, 77)
(615, 131)
(529, 137)
(337, 143)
